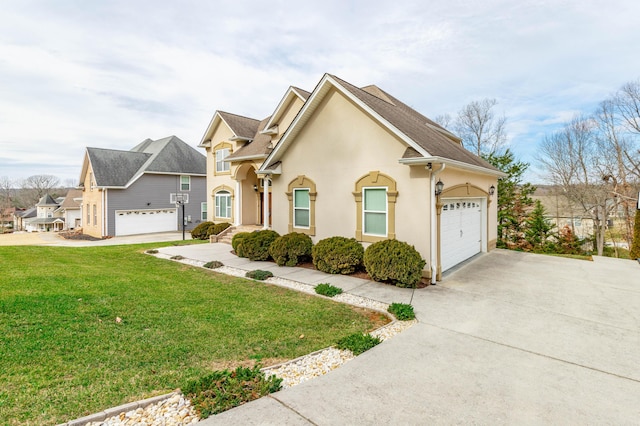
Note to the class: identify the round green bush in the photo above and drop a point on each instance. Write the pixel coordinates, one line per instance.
(338, 255)
(255, 246)
(394, 261)
(237, 239)
(200, 231)
(291, 249)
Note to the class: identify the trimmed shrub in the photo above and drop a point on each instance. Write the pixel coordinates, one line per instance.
(237, 239)
(358, 343)
(394, 261)
(200, 231)
(402, 311)
(328, 290)
(338, 255)
(255, 246)
(291, 249)
(177, 257)
(259, 274)
(214, 264)
(223, 390)
(152, 251)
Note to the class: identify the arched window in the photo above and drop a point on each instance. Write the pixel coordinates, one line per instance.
(375, 197)
(223, 203)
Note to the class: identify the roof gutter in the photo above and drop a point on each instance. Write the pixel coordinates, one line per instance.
(236, 138)
(424, 161)
(247, 157)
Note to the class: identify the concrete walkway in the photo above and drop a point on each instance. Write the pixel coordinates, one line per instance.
(508, 338)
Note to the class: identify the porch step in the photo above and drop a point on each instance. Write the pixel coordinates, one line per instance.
(228, 236)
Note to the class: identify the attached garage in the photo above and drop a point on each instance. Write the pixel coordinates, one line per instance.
(130, 222)
(461, 230)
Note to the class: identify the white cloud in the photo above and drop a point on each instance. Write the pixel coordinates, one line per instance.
(79, 74)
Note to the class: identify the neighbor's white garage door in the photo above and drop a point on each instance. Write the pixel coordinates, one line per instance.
(130, 222)
(460, 230)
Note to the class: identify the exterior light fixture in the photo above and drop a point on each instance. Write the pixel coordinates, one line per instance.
(439, 187)
(492, 190)
(255, 188)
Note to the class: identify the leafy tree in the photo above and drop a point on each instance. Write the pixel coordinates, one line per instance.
(513, 197)
(635, 247)
(538, 230)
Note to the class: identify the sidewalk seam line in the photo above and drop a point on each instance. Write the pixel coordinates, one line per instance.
(290, 408)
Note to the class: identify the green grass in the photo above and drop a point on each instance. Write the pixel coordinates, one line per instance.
(63, 355)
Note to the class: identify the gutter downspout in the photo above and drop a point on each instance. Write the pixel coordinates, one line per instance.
(105, 225)
(434, 220)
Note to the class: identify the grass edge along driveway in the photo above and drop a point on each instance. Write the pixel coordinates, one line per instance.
(85, 329)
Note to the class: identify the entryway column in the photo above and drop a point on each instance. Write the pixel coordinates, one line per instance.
(237, 204)
(265, 203)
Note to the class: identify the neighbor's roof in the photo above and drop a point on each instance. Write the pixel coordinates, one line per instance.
(116, 168)
(47, 200)
(69, 202)
(425, 138)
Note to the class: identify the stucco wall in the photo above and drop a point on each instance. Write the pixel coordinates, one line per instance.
(337, 146)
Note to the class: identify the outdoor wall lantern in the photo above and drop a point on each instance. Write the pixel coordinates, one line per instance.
(492, 190)
(255, 188)
(439, 187)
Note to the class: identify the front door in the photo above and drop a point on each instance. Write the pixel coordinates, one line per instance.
(262, 208)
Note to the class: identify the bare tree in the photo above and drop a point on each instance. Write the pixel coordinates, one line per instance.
(482, 132)
(627, 105)
(6, 198)
(445, 120)
(573, 161)
(34, 187)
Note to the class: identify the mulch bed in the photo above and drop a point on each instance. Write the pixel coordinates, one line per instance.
(72, 235)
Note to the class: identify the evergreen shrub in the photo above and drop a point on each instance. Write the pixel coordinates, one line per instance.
(237, 239)
(338, 255)
(291, 249)
(395, 262)
(255, 246)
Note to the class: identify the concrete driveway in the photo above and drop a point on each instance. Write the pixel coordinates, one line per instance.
(508, 338)
(54, 239)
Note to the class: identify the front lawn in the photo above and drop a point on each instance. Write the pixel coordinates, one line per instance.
(84, 329)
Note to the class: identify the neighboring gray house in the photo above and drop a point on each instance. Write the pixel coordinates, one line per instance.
(136, 191)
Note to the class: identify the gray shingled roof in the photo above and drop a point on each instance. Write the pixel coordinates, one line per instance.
(243, 127)
(415, 125)
(47, 200)
(116, 168)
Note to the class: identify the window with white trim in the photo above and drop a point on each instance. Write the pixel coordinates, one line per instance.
(95, 215)
(223, 204)
(374, 212)
(203, 211)
(88, 215)
(221, 165)
(301, 208)
(185, 183)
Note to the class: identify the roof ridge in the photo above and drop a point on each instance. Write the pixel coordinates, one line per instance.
(237, 115)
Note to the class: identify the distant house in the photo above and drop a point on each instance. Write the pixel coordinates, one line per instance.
(354, 162)
(69, 210)
(136, 191)
(47, 217)
(20, 217)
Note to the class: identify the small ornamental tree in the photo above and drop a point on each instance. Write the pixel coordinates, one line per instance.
(635, 246)
(538, 230)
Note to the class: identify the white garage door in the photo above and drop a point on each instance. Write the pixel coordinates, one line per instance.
(130, 222)
(460, 230)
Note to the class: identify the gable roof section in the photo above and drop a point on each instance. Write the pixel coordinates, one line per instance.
(119, 169)
(47, 200)
(258, 148)
(425, 139)
(243, 128)
(69, 202)
(115, 168)
(286, 100)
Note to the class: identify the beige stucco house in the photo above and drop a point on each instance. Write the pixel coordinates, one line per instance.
(354, 162)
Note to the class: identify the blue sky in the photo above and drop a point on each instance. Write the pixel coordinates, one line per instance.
(111, 74)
